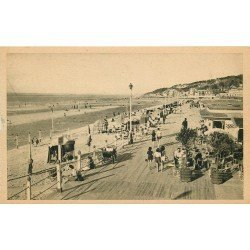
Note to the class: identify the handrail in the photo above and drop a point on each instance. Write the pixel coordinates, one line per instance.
(17, 193)
(34, 184)
(36, 173)
(44, 190)
(53, 168)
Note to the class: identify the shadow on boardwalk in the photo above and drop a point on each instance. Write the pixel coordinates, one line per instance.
(73, 189)
(182, 195)
(104, 171)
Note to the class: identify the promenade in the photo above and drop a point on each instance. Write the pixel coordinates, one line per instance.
(131, 179)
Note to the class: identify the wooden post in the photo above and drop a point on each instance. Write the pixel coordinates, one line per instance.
(28, 191)
(59, 177)
(79, 161)
(50, 134)
(59, 152)
(94, 152)
(29, 139)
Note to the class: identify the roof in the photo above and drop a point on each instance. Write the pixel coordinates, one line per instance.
(227, 104)
(209, 115)
(236, 118)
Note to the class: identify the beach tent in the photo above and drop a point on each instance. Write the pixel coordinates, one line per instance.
(67, 148)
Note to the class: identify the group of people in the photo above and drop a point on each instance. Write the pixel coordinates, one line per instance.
(156, 136)
(35, 141)
(197, 159)
(78, 174)
(159, 156)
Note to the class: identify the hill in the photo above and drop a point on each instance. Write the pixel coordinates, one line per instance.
(216, 86)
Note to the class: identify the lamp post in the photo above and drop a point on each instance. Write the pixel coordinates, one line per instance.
(130, 108)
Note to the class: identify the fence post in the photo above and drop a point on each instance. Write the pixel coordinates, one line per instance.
(79, 161)
(94, 152)
(59, 176)
(28, 191)
(59, 152)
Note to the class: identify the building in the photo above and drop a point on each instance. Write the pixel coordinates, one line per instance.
(235, 92)
(225, 120)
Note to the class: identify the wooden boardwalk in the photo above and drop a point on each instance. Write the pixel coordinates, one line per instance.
(131, 179)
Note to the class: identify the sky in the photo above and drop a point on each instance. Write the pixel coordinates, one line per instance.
(107, 73)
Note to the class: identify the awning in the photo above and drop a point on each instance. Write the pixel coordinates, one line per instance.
(238, 122)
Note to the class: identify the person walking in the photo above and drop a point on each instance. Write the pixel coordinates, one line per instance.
(157, 156)
(150, 156)
(106, 124)
(185, 124)
(164, 118)
(89, 140)
(16, 141)
(37, 142)
(153, 137)
(159, 136)
(163, 156)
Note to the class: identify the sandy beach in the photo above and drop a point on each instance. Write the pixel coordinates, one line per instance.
(22, 124)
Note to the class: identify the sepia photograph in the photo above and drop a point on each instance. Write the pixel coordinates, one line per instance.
(125, 126)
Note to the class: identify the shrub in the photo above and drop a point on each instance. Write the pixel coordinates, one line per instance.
(186, 137)
(222, 144)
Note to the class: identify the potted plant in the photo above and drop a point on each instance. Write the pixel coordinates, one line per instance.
(223, 146)
(186, 137)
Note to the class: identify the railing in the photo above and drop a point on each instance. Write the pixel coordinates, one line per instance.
(56, 171)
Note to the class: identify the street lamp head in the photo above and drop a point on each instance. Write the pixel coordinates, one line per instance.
(131, 86)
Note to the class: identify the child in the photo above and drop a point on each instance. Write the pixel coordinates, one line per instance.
(150, 158)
